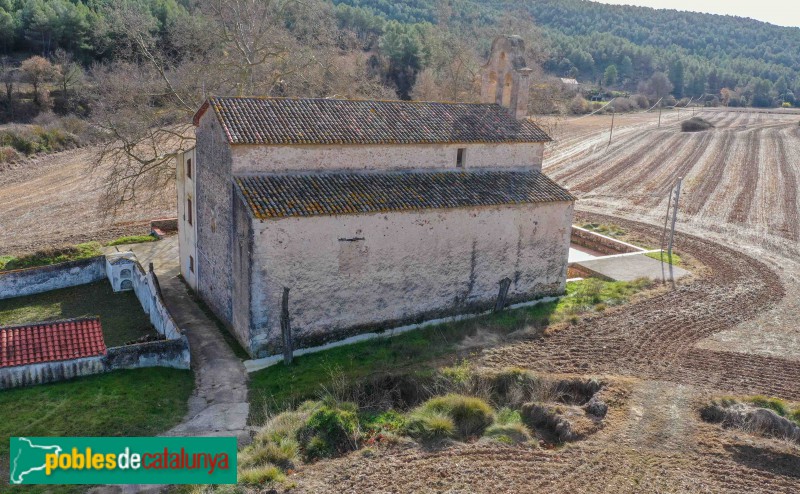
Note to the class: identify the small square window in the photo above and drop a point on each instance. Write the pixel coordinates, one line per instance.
(191, 264)
(189, 168)
(460, 154)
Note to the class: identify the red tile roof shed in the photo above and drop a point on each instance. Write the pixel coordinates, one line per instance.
(51, 342)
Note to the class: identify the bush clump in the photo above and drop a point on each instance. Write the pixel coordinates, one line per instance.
(695, 124)
(508, 428)
(427, 425)
(30, 140)
(470, 416)
(260, 475)
(331, 429)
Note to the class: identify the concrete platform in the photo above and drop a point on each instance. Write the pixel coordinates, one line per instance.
(578, 253)
(629, 267)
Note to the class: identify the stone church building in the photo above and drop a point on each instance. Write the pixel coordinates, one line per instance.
(352, 216)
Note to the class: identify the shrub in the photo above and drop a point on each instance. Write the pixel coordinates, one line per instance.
(514, 433)
(470, 415)
(460, 373)
(329, 431)
(283, 454)
(9, 155)
(578, 105)
(773, 404)
(641, 101)
(260, 475)
(795, 416)
(695, 124)
(426, 425)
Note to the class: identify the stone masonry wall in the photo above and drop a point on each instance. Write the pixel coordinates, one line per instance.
(266, 159)
(214, 189)
(358, 273)
(22, 282)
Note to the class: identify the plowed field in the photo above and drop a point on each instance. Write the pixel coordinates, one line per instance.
(732, 330)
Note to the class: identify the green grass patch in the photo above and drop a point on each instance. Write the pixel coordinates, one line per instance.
(676, 258)
(280, 387)
(609, 230)
(120, 314)
(776, 405)
(141, 402)
(131, 239)
(51, 256)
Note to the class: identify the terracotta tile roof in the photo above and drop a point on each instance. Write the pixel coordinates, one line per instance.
(334, 121)
(276, 196)
(51, 341)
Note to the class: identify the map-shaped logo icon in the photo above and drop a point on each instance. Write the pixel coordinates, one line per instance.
(29, 458)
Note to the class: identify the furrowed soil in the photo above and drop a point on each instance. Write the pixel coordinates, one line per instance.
(730, 330)
(54, 200)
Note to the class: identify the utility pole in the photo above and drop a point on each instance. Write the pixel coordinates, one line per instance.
(672, 231)
(663, 243)
(613, 113)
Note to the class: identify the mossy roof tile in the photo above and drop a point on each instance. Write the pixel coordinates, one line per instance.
(279, 196)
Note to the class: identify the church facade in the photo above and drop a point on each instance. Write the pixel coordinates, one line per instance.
(337, 217)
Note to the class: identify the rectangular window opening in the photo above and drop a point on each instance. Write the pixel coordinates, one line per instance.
(191, 264)
(189, 211)
(189, 168)
(460, 157)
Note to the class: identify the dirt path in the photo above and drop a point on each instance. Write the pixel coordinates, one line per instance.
(218, 406)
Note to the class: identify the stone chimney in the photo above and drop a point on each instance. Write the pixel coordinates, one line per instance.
(505, 78)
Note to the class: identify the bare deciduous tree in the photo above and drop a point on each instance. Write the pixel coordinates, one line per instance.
(37, 71)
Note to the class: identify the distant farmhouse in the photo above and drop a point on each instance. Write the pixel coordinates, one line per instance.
(337, 217)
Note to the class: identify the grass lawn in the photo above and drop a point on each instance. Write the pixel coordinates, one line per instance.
(121, 314)
(131, 239)
(280, 387)
(676, 259)
(141, 402)
(51, 256)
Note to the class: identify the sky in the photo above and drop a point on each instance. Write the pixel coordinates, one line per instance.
(780, 12)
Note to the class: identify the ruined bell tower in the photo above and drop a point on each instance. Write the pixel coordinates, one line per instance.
(505, 79)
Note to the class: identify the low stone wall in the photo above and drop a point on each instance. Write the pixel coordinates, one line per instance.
(170, 352)
(601, 243)
(28, 375)
(164, 353)
(22, 282)
(145, 285)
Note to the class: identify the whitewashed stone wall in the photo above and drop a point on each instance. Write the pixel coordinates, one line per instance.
(264, 159)
(22, 282)
(145, 286)
(356, 273)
